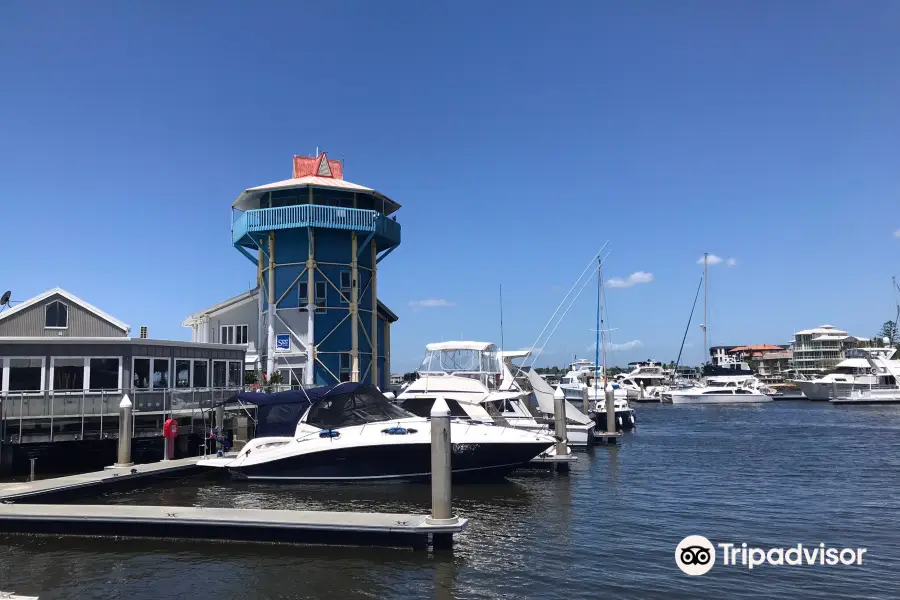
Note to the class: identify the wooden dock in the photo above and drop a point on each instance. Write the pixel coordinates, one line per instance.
(20, 514)
(246, 525)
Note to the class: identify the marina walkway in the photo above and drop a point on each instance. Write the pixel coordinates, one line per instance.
(11, 492)
(250, 525)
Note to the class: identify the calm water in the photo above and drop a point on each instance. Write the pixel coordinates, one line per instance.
(777, 475)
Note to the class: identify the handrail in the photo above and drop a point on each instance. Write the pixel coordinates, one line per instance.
(314, 215)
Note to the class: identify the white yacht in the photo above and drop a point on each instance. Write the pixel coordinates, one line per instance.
(852, 372)
(351, 432)
(581, 378)
(478, 384)
(646, 382)
(727, 394)
(883, 385)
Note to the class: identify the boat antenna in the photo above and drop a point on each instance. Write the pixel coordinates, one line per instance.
(501, 317)
(690, 318)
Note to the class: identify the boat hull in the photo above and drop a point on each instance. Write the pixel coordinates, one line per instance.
(397, 462)
(720, 399)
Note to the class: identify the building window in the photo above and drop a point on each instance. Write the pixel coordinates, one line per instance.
(161, 373)
(346, 365)
(234, 373)
(233, 334)
(104, 374)
(321, 296)
(26, 374)
(141, 373)
(68, 374)
(220, 374)
(201, 368)
(345, 287)
(182, 374)
(56, 315)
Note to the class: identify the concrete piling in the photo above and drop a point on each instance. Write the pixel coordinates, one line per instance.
(441, 473)
(559, 425)
(610, 411)
(31, 476)
(125, 432)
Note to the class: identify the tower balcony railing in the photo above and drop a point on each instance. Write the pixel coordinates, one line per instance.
(263, 220)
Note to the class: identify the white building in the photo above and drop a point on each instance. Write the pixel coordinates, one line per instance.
(821, 349)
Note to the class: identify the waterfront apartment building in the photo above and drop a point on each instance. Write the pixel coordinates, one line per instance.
(821, 349)
(774, 367)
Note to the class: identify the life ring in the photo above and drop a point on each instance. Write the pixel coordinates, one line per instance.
(873, 371)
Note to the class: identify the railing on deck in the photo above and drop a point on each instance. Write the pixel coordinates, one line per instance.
(313, 215)
(76, 415)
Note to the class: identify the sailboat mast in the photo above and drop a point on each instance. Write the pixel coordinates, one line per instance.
(705, 314)
(602, 325)
(597, 348)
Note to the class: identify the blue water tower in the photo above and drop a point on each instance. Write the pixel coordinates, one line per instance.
(316, 240)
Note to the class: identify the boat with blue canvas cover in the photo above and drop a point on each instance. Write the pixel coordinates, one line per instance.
(351, 432)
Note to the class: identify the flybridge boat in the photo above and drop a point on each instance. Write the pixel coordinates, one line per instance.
(854, 372)
(351, 432)
(477, 382)
(647, 381)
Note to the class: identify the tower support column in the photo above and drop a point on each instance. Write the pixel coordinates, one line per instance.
(270, 342)
(311, 309)
(354, 310)
(374, 334)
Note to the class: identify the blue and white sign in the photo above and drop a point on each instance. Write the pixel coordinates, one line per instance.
(283, 342)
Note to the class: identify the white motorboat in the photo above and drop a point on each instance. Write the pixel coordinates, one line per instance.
(478, 385)
(854, 372)
(625, 418)
(718, 395)
(646, 382)
(884, 379)
(351, 432)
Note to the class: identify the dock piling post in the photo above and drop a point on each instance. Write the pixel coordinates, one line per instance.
(610, 412)
(441, 473)
(559, 425)
(31, 476)
(125, 432)
(642, 390)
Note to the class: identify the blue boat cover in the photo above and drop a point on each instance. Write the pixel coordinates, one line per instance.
(278, 413)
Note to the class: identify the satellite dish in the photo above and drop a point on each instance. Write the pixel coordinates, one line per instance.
(5, 298)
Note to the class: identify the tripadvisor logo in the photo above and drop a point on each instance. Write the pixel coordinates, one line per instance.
(696, 555)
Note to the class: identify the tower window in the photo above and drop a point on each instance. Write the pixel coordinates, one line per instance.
(321, 296)
(56, 315)
(346, 365)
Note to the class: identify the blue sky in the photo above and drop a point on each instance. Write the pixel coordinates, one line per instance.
(518, 137)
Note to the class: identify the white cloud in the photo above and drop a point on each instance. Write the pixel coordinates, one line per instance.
(626, 346)
(897, 234)
(431, 303)
(633, 279)
(712, 259)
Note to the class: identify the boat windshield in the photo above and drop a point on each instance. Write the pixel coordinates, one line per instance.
(365, 405)
(461, 362)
